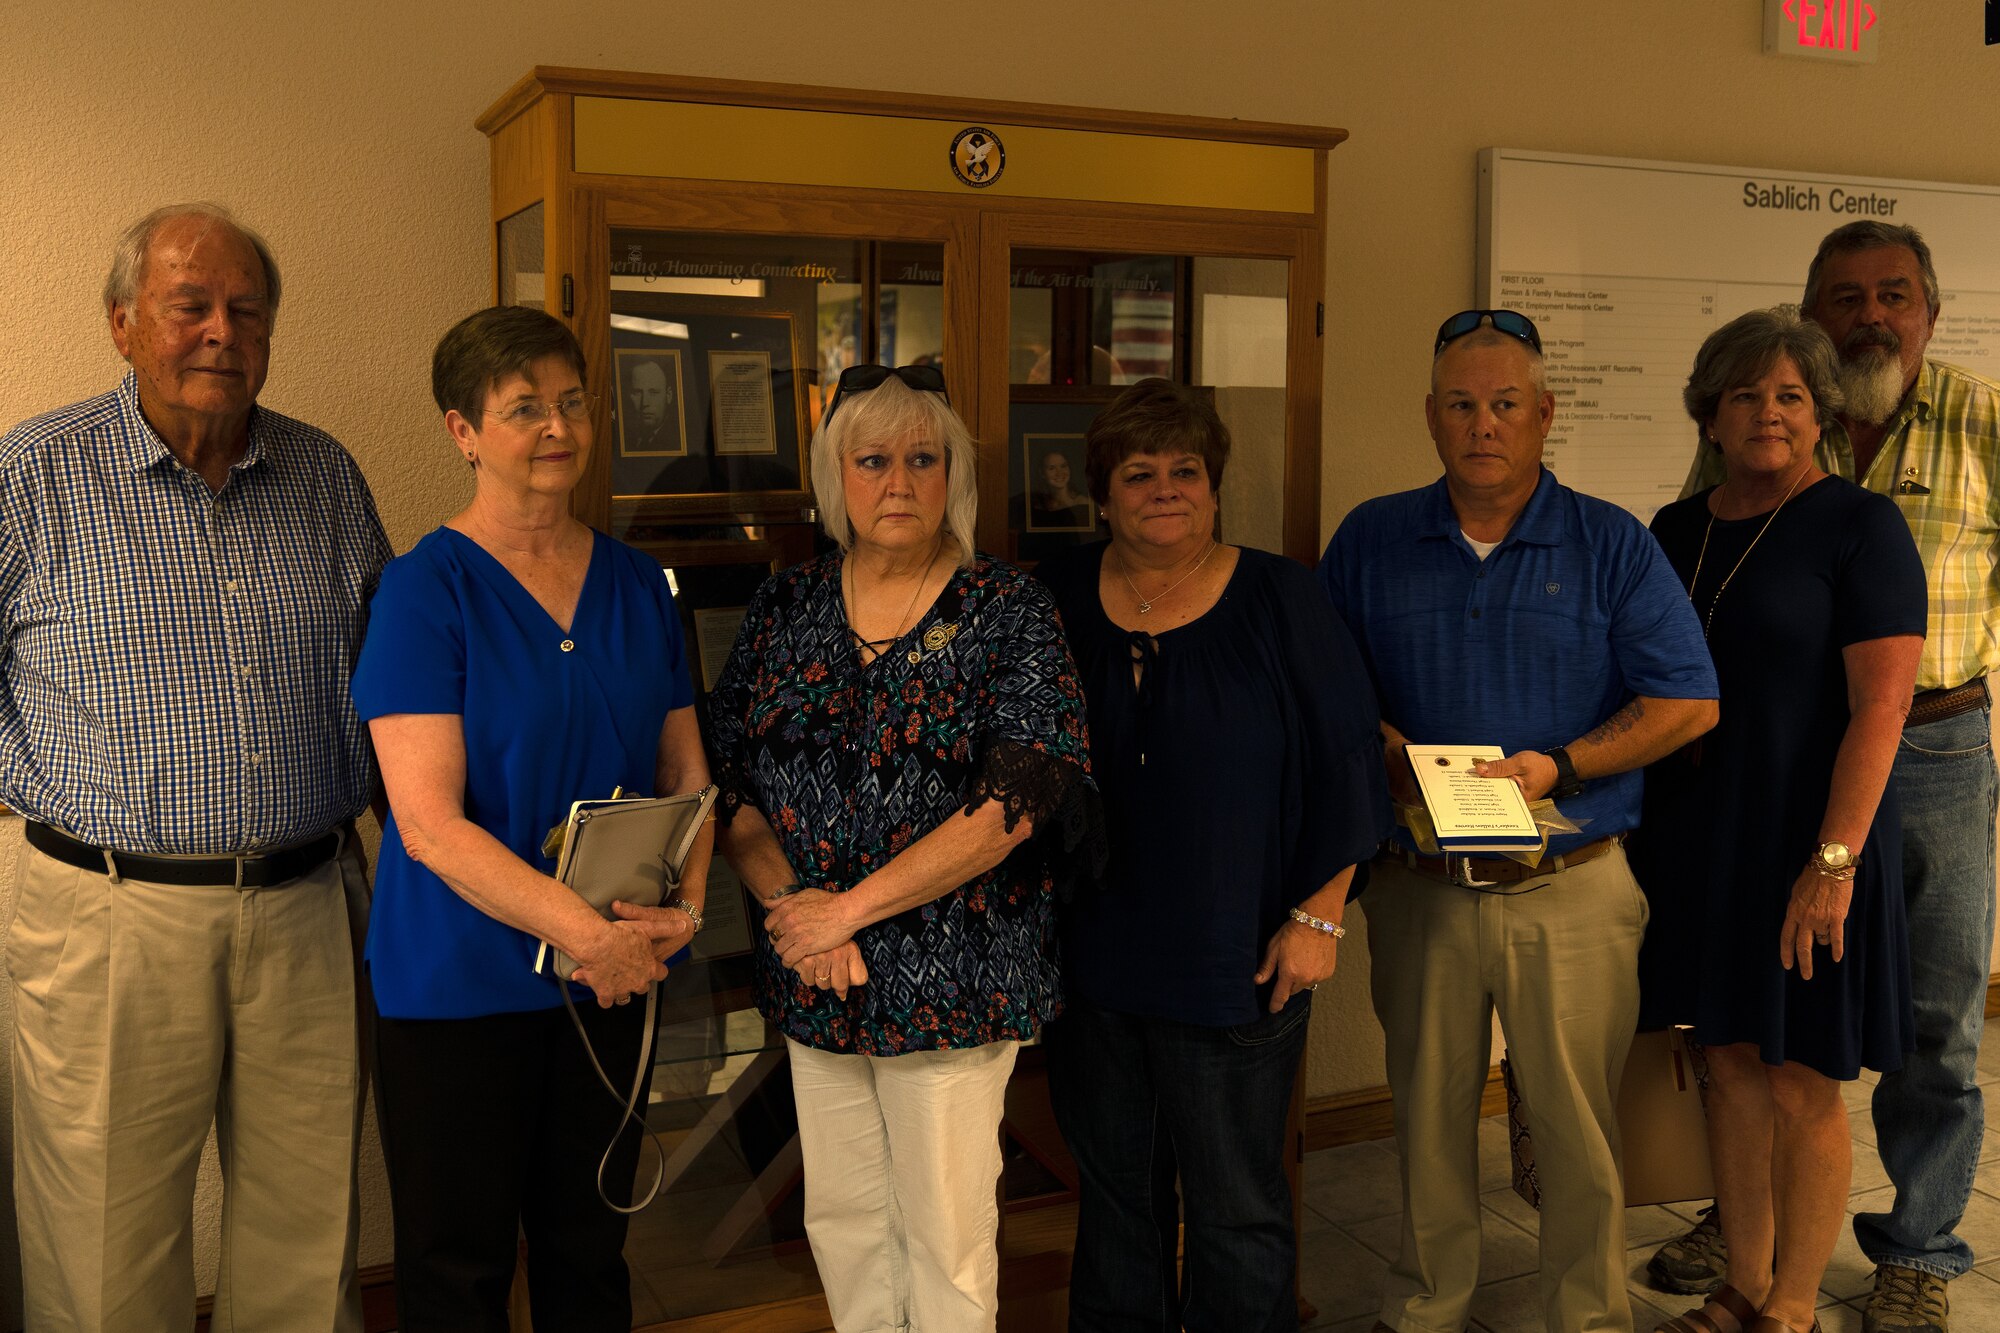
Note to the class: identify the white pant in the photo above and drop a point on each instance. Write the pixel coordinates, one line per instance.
(902, 1159)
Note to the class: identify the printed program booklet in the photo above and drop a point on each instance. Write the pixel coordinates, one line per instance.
(1471, 813)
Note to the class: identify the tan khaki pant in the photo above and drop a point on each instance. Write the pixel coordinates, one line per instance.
(902, 1155)
(1560, 964)
(144, 1012)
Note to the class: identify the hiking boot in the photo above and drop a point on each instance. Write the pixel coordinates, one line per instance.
(1907, 1300)
(1693, 1264)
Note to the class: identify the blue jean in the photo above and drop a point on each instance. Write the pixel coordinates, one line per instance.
(1930, 1118)
(1140, 1100)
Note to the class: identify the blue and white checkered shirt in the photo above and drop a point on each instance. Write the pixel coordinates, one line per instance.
(174, 662)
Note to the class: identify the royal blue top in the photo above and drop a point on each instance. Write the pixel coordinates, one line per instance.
(550, 718)
(1574, 613)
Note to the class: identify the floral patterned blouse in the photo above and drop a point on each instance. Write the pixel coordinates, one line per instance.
(851, 764)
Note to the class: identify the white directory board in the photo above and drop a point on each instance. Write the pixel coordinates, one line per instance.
(1626, 265)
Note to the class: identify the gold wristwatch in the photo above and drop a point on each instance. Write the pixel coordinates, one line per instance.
(1834, 860)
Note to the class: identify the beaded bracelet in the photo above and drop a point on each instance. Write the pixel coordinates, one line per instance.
(1311, 922)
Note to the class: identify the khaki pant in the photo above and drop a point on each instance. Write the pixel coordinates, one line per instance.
(902, 1156)
(144, 1012)
(1560, 964)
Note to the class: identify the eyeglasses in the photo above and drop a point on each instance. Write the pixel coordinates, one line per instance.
(861, 379)
(1510, 322)
(575, 408)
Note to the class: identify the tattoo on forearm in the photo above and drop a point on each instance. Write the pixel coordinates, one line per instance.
(1618, 723)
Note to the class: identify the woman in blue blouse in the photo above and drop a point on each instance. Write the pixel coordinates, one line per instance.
(1233, 733)
(895, 720)
(516, 661)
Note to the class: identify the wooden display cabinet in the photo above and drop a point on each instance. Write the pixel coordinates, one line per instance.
(722, 251)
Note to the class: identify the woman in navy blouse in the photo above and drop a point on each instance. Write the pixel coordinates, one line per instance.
(516, 662)
(1233, 733)
(896, 718)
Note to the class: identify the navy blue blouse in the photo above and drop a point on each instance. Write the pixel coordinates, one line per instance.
(1240, 773)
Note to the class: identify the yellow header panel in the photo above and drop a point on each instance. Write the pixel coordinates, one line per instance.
(704, 141)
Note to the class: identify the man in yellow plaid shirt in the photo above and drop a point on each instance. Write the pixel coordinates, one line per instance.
(1926, 434)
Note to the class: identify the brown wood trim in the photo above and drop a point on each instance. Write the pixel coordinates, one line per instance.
(1305, 381)
(378, 1301)
(801, 1314)
(1366, 1113)
(702, 204)
(544, 79)
(521, 168)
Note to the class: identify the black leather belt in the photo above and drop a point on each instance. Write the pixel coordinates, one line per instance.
(261, 871)
(1937, 705)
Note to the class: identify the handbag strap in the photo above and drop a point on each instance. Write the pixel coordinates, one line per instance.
(629, 1101)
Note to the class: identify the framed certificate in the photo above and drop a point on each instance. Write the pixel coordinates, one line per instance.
(742, 402)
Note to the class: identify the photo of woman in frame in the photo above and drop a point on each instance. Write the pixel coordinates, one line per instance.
(1057, 498)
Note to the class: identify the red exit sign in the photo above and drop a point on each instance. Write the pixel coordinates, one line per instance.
(1842, 30)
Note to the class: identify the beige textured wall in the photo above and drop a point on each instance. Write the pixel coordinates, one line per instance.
(346, 134)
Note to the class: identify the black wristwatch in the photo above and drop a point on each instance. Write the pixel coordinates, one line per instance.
(1567, 782)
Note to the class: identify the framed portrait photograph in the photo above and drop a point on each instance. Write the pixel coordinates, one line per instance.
(1049, 508)
(652, 403)
(1058, 497)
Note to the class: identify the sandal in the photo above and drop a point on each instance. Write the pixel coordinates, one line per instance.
(1733, 1303)
(1771, 1324)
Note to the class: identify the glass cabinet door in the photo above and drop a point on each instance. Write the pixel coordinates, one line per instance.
(724, 350)
(1084, 324)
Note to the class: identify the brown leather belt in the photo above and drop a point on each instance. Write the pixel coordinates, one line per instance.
(1937, 705)
(1475, 871)
(240, 872)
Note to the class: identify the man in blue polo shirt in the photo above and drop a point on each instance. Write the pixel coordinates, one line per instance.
(1499, 607)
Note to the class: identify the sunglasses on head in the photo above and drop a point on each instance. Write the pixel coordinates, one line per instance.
(1510, 322)
(860, 379)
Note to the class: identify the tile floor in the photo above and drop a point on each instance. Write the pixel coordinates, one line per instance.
(1354, 1219)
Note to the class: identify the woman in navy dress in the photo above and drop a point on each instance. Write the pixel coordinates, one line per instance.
(1768, 849)
(1235, 738)
(895, 720)
(516, 662)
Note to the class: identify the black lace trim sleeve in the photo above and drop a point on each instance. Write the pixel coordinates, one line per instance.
(733, 791)
(1067, 814)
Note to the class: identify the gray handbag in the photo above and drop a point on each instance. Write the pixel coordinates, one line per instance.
(633, 851)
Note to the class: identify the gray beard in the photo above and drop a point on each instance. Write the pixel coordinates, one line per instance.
(1873, 388)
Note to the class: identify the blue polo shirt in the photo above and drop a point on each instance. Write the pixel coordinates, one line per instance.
(1573, 614)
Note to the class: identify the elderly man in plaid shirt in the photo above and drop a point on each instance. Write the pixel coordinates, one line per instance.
(1926, 434)
(183, 580)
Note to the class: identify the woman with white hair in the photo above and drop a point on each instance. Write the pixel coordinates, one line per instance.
(896, 719)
